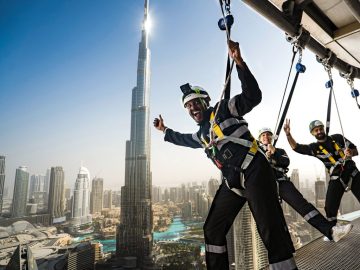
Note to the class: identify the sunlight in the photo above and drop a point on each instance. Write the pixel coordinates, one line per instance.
(148, 24)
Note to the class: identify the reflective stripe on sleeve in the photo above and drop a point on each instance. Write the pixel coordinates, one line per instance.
(311, 214)
(232, 107)
(215, 249)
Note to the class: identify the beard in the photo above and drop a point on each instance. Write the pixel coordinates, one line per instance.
(321, 136)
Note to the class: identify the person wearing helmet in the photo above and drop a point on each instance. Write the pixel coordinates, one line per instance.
(280, 161)
(246, 173)
(336, 153)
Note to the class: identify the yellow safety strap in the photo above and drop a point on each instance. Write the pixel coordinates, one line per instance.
(340, 151)
(254, 147)
(215, 127)
(325, 152)
(218, 132)
(331, 158)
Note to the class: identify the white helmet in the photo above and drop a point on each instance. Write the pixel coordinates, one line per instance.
(265, 129)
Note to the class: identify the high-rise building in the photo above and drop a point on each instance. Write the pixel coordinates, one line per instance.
(97, 195)
(108, 199)
(81, 200)
(187, 210)
(36, 184)
(82, 257)
(156, 194)
(204, 205)
(230, 245)
(136, 214)
(18, 208)
(295, 178)
(2, 180)
(213, 186)
(250, 252)
(47, 183)
(56, 200)
(116, 198)
(320, 193)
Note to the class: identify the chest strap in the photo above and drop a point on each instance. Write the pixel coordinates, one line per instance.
(331, 158)
(215, 128)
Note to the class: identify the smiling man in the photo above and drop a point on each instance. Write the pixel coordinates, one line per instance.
(247, 175)
(335, 152)
(280, 162)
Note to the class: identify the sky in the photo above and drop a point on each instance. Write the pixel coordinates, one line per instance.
(67, 69)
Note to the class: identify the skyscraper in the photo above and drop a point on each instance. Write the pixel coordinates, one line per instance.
(295, 178)
(213, 186)
(107, 199)
(320, 193)
(47, 181)
(56, 206)
(20, 192)
(2, 180)
(81, 200)
(250, 252)
(135, 230)
(36, 184)
(97, 192)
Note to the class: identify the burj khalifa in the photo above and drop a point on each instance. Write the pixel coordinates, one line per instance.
(134, 235)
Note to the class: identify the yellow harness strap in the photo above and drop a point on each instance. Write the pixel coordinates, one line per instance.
(215, 127)
(254, 147)
(330, 157)
(325, 152)
(340, 151)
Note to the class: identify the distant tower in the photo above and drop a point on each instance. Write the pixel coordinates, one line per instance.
(250, 252)
(81, 200)
(56, 206)
(2, 180)
(20, 192)
(47, 182)
(108, 199)
(295, 178)
(213, 186)
(320, 193)
(36, 184)
(97, 192)
(135, 231)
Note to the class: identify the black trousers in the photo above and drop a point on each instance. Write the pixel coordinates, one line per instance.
(334, 194)
(260, 193)
(295, 199)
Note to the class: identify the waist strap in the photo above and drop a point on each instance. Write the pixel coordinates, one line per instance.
(347, 186)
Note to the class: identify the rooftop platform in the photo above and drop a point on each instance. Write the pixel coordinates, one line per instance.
(321, 255)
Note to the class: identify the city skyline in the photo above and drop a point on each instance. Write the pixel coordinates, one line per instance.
(70, 66)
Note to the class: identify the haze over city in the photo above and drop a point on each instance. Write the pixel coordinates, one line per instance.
(67, 70)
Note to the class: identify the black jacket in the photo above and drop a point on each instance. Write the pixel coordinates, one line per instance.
(279, 161)
(313, 149)
(230, 119)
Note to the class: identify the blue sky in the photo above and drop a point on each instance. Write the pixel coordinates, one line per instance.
(67, 69)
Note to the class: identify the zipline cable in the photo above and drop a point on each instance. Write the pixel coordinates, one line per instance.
(299, 69)
(226, 90)
(286, 85)
(299, 42)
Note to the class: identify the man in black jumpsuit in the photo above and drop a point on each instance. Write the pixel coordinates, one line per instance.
(280, 161)
(336, 156)
(247, 175)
